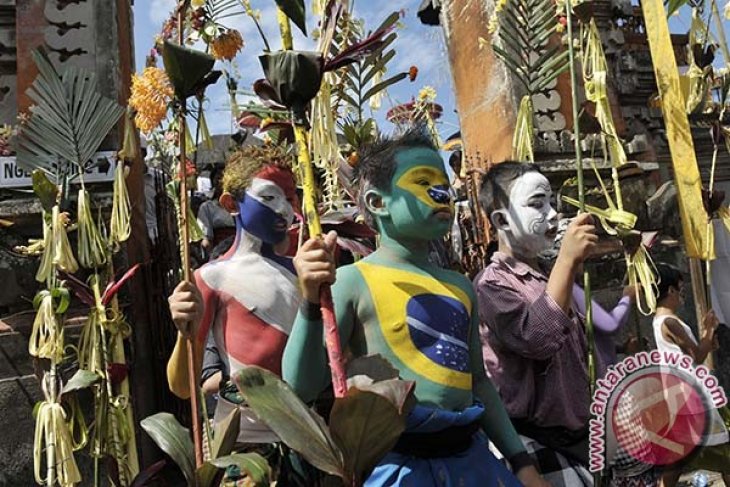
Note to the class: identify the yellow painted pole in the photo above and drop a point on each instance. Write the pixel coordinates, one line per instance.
(309, 189)
(681, 146)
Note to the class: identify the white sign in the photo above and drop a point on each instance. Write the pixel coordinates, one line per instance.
(14, 176)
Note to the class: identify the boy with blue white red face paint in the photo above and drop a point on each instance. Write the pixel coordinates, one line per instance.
(533, 339)
(248, 298)
(420, 317)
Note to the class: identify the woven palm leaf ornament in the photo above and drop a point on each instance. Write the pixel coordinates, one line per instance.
(522, 37)
(615, 220)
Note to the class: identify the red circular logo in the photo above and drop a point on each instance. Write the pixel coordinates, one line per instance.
(659, 418)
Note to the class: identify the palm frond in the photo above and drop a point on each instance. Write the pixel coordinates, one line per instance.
(522, 43)
(68, 121)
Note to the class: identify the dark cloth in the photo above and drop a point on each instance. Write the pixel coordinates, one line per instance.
(445, 443)
(573, 444)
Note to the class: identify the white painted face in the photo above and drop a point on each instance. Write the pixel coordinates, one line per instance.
(529, 224)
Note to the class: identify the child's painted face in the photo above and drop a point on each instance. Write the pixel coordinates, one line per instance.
(419, 204)
(531, 221)
(267, 209)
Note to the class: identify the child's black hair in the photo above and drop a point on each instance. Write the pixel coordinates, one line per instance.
(377, 164)
(668, 277)
(494, 193)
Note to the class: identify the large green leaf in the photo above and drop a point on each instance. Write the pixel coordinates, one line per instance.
(294, 9)
(375, 366)
(365, 426)
(80, 380)
(299, 427)
(208, 475)
(225, 434)
(252, 464)
(187, 68)
(68, 121)
(45, 190)
(383, 85)
(174, 440)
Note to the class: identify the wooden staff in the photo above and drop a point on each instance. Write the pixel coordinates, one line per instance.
(185, 250)
(309, 186)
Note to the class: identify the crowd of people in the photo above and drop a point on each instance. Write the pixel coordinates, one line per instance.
(500, 364)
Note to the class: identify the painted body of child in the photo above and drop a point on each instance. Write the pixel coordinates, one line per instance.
(420, 317)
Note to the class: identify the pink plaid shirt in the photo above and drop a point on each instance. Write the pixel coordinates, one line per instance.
(533, 351)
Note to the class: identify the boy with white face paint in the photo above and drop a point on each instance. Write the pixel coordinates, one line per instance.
(533, 341)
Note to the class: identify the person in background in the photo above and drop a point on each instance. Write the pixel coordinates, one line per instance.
(674, 335)
(216, 223)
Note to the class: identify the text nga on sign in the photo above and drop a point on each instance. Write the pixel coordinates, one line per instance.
(14, 176)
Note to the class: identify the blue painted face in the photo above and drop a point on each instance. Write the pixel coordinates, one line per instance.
(265, 211)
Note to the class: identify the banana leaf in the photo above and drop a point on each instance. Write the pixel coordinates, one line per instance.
(189, 70)
(294, 77)
(295, 10)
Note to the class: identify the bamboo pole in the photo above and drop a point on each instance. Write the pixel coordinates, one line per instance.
(332, 337)
(185, 251)
(581, 200)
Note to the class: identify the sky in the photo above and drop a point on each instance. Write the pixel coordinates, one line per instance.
(417, 44)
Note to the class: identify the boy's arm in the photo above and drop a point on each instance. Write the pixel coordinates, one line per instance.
(193, 312)
(580, 237)
(675, 333)
(304, 365)
(495, 421)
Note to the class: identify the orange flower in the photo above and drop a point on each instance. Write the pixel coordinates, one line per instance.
(413, 73)
(227, 45)
(151, 94)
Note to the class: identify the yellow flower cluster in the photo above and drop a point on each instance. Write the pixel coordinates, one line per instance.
(227, 45)
(500, 4)
(151, 94)
(197, 3)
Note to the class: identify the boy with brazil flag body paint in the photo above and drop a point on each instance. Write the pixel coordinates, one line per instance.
(421, 318)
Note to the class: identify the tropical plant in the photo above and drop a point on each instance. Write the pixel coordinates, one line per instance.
(363, 82)
(363, 426)
(174, 440)
(522, 39)
(67, 124)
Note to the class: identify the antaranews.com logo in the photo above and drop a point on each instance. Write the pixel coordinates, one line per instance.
(654, 408)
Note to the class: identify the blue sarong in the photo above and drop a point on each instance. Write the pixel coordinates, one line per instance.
(474, 467)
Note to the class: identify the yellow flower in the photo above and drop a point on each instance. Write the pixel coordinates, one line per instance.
(427, 94)
(226, 45)
(500, 5)
(197, 3)
(151, 93)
